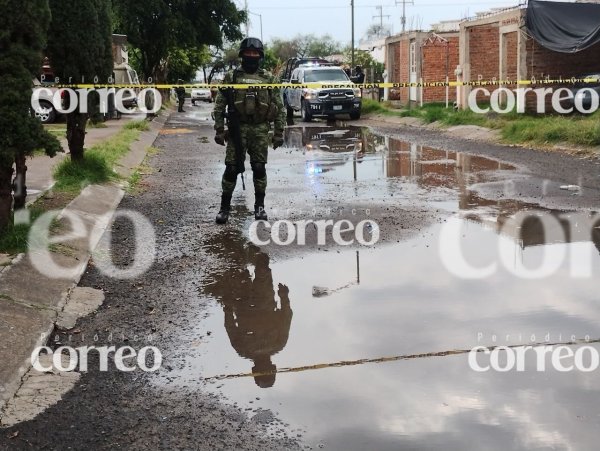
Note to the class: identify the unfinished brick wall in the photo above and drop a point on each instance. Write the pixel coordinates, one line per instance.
(484, 55)
(399, 73)
(542, 62)
(435, 63)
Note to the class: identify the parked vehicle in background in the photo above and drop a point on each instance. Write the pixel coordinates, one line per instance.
(47, 114)
(201, 95)
(322, 101)
(124, 74)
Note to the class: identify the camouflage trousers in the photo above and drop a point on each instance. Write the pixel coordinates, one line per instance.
(255, 142)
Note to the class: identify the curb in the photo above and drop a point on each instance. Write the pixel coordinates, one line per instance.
(31, 309)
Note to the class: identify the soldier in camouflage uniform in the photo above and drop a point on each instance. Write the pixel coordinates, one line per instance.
(256, 109)
(180, 91)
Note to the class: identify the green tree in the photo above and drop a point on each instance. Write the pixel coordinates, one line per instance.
(365, 60)
(159, 27)
(303, 46)
(80, 51)
(223, 59)
(184, 63)
(284, 49)
(23, 27)
(271, 63)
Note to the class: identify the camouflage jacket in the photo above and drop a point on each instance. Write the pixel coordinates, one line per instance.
(266, 99)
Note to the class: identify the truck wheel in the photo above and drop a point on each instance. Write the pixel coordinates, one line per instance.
(355, 116)
(306, 116)
(47, 115)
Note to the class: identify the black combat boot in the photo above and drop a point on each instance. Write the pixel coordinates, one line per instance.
(223, 215)
(259, 207)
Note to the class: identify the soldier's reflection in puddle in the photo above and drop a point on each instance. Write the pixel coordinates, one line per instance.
(257, 325)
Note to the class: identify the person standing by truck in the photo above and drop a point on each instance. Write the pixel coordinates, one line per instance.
(249, 114)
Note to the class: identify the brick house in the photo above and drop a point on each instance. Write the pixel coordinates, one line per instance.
(497, 46)
(417, 56)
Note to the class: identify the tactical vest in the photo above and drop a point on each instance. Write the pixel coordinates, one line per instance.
(255, 106)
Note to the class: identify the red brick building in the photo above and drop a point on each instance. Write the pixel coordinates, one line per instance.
(497, 46)
(422, 56)
(492, 46)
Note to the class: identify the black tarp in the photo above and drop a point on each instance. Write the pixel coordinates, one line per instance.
(564, 27)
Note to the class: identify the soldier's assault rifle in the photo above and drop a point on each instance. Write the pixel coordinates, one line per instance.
(235, 133)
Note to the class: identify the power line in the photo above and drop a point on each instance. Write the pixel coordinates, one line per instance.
(381, 15)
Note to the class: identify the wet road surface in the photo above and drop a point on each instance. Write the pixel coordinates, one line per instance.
(346, 347)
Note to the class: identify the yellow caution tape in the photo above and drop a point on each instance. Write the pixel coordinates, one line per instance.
(345, 363)
(432, 84)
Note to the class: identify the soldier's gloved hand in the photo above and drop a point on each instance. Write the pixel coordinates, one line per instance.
(277, 140)
(220, 137)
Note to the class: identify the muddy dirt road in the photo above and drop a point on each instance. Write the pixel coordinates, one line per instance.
(345, 347)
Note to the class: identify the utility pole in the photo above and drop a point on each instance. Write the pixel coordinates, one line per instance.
(247, 18)
(261, 26)
(381, 16)
(352, 7)
(403, 20)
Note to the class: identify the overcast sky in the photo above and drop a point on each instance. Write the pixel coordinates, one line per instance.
(287, 18)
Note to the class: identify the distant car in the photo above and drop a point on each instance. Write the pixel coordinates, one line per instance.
(204, 95)
(586, 95)
(328, 102)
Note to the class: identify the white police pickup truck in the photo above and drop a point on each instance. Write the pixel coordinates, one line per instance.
(334, 94)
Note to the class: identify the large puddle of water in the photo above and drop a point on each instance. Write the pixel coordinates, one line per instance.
(367, 349)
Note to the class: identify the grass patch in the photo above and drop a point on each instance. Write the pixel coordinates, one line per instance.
(98, 124)
(552, 130)
(73, 176)
(59, 133)
(15, 239)
(141, 125)
(370, 106)
(514, 128)
(97, 165)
